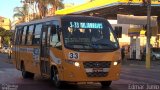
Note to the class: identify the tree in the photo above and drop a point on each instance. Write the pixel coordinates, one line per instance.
(5, 36)
(43, 6)
(21, 12)
(2, 30)
(56, 4)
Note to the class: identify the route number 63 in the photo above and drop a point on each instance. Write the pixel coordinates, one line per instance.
(73, 55)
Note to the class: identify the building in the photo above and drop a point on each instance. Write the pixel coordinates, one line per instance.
(6, 24)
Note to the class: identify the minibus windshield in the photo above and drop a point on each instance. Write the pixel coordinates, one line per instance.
(89, 35)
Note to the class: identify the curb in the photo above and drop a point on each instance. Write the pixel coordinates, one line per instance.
(10, 61)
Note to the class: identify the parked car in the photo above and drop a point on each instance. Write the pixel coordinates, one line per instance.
(5, 50)
(155, 54)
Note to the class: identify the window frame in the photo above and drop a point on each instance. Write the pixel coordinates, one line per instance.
(31, 36)
(18, 35)
(34, 33)
(24, 35)
(56, 23)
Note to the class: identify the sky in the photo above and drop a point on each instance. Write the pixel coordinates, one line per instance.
(7, 6)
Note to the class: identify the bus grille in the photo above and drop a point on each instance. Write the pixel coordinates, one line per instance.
(97, 69)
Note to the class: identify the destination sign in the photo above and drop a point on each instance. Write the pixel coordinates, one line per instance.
(86, 25)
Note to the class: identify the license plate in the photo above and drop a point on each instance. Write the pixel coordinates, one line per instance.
(97, 69)
(90, 70)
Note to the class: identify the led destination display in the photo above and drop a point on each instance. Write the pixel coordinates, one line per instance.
(86, 25)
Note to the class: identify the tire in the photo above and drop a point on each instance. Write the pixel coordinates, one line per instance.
(106, 83)
(26, 74)
(154, 58)
(55, 78)
(31, 75)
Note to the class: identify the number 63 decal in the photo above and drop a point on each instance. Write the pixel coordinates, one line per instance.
(73, 55)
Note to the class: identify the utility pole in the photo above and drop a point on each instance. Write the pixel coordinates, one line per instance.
(148, 45)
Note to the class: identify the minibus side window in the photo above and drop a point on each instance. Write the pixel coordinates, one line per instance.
(24, 35)
(37, 33)
(15, 36)
(55, 36)
(30, 36)
(18, 35)
(55, 41)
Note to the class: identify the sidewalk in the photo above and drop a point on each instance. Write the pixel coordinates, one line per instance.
(5, 58)
(134, 63)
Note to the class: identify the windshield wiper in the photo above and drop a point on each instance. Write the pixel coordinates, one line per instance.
(84, 44)
(105, 44)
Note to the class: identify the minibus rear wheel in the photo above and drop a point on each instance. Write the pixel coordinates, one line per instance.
(106, 83)
(26, 74)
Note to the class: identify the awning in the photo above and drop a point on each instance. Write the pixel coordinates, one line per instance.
(136, 20)
(97, 4)
(111, 8)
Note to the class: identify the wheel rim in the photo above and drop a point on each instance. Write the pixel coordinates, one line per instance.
(23, 71)
(56, 78)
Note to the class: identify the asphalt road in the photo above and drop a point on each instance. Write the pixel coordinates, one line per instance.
(134, 76)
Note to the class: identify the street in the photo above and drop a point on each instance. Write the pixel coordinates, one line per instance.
(134, 76)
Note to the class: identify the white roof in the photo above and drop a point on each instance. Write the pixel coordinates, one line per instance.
(40, 20)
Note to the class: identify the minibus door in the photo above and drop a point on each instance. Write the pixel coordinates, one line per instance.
(44, 52)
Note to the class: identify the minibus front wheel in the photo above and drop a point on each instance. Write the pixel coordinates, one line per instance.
(106, 83)
(55, 78)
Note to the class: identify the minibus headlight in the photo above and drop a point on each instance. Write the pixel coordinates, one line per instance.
(116, 62)
(77, 64)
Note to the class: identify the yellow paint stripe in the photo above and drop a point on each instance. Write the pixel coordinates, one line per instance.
(86, 6)
(96, 4)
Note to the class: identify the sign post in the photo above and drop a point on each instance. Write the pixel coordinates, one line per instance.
(148, 46)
